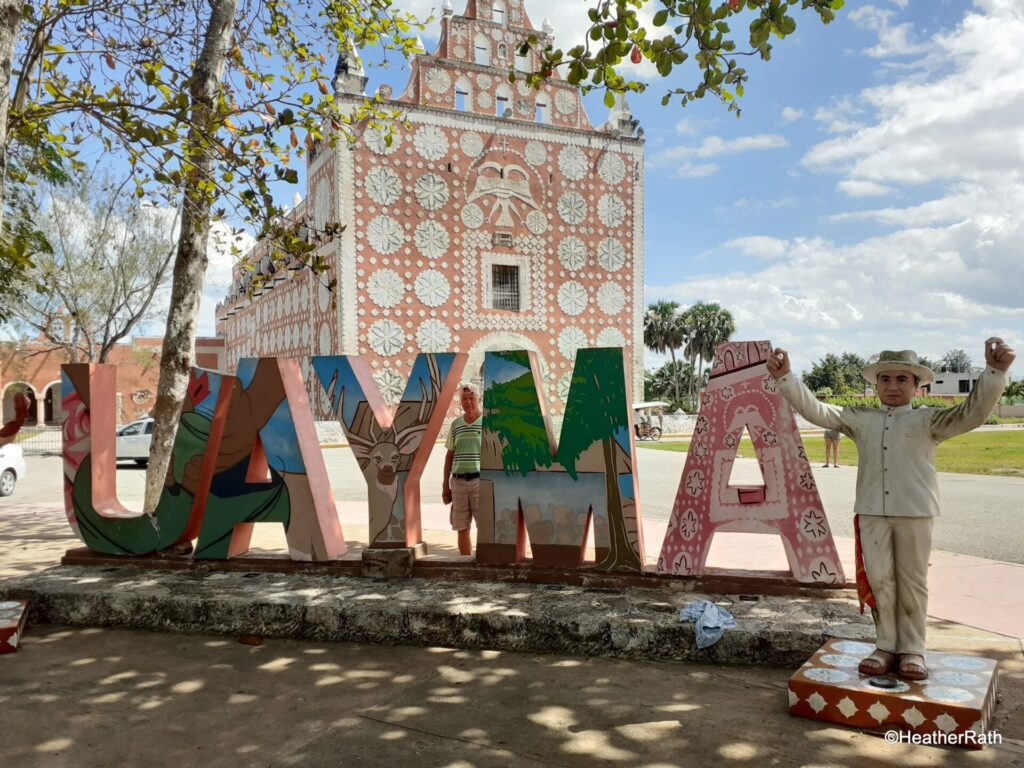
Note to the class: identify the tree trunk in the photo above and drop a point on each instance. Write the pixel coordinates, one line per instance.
(675, 375)
(691, 384)
(10, 19)
(178, 353)
(621, 554)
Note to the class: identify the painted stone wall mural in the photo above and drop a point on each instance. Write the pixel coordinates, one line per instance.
(392, 445)
(531, 488)
(741, 394)
(268, 468)
(90, 489)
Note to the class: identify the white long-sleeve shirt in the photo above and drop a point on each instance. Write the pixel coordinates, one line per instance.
(896, 470)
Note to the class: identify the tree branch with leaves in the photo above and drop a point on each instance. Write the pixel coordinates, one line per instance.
(698, 33)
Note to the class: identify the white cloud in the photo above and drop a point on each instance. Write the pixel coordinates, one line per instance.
(945, 270)
(759, 246)
(688, 127)
(862, 188)
(759, 204)
(893, 40)
(791, 115)
(715, 146)
(689, 170)
(842, 116)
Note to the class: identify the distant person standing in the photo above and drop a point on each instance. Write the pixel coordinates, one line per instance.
(832, 438)
(461, 486)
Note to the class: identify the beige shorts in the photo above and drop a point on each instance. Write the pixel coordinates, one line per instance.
(465, 502)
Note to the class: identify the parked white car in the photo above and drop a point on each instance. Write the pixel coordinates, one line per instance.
(12, 467)
(134, 440)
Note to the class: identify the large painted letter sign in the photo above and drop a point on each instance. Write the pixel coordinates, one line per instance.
(245, 452)
(391, 445)
(741, 393)
(528, 486)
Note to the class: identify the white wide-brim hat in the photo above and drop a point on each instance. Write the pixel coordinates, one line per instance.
(902, 360)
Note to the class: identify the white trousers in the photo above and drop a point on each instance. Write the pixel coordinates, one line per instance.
(896, 551)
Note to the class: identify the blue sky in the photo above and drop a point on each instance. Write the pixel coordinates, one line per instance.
(867, 198)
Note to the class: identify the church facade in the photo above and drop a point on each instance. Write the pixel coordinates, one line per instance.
(496, 217)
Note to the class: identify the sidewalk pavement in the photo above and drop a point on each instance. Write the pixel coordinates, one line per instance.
(984, 594)
(97, 697)
(89, 697)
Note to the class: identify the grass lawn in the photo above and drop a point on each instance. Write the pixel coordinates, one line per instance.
(976, 453)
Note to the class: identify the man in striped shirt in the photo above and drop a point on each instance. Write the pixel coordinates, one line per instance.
(461, 486)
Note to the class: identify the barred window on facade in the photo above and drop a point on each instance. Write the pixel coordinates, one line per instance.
(505, 287)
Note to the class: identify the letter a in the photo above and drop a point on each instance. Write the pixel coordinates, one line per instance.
(269, 430)
(741, 393)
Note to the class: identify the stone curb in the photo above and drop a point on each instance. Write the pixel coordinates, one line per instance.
(631, 624)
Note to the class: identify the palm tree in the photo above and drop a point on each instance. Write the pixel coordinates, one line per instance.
(665, 330)
(710, 325)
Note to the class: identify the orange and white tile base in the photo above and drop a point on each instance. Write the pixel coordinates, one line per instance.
(958, 698)
(13, 614)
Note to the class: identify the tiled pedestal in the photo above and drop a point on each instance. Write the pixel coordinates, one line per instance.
(958, 697)
(13, 614)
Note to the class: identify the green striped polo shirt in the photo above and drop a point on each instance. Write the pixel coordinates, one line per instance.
(465, 439)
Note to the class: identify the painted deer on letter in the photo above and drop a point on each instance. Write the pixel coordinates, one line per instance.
(383, 452)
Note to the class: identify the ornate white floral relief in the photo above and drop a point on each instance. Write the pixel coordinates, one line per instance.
(385, 338)
(572, 298)
(611, 298)
(471, 143)
(376, 139)
(391, 385)
(432, 288)
(536, 153)
(431, 191)
(537, 222)
(438, 80)
(611, 169)
(323, 298)
(385, 288)
(565, 102)
(472, 216)
(572, 253)
(611, 337)
(610, 254)
(484, 82)
(431, 239)
(483, 99)
(573, 163)
(570, 340)
(611, 210)
(382, 185)
(572, 208)
(433, 336)
(325, 339)
(430, 142)
(385, 235)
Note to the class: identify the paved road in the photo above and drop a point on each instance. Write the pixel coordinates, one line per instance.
(982, 516)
